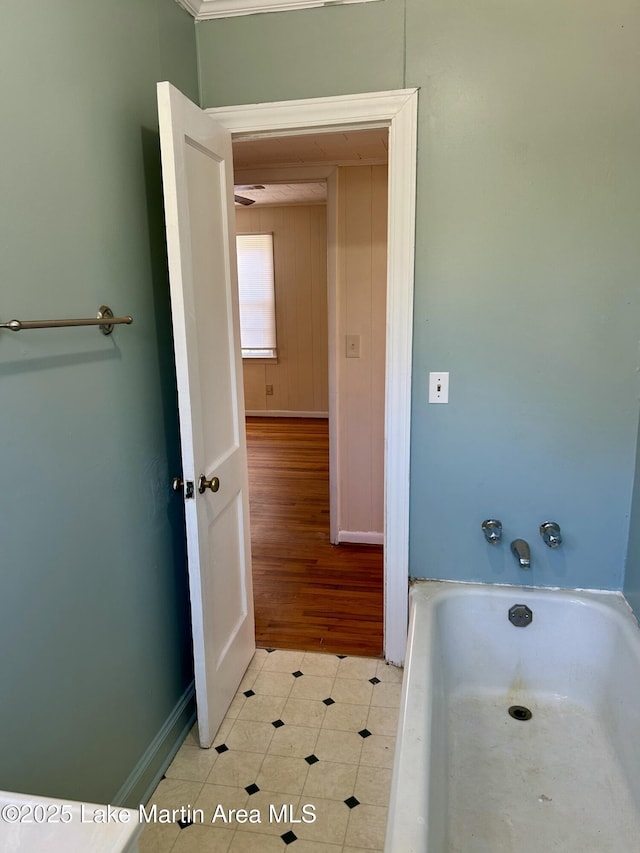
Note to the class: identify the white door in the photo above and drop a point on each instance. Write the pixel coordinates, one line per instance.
(197, 169)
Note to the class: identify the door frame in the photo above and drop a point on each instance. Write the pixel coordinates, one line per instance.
(396, 110)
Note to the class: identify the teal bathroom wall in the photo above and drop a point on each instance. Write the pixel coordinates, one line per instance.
(94, 625)
(526, 286)
(527, 257)
(526, 267)
(286, 55)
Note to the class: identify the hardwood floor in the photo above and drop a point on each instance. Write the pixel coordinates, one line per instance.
(308, 594)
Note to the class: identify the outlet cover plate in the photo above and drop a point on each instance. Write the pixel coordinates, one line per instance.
(353, 346)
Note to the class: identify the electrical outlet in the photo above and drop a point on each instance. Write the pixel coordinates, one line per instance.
(353, 346)
(269, 390)
(439, 387)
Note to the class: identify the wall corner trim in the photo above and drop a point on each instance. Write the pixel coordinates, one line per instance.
(146, 775)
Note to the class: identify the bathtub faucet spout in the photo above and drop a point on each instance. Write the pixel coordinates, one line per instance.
(522, 553)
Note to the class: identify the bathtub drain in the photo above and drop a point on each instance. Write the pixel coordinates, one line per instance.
(519, 712)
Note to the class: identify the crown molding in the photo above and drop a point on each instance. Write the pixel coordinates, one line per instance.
(206, 10)
(192, 6)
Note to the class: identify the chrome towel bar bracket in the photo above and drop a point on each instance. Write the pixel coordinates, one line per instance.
(104, 319)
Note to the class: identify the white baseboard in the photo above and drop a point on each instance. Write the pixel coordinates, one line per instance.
(149, 770)
(361, 537)
(283, 413)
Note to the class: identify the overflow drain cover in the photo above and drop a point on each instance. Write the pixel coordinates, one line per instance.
(520, 615)
(519, 712)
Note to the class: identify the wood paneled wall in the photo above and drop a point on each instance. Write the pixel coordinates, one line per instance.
(361, 306)
(300, 377)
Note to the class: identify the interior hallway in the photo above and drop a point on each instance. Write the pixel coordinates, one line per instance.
(309, 594)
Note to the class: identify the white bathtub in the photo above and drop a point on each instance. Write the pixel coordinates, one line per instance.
(30, 824)
(469, 778)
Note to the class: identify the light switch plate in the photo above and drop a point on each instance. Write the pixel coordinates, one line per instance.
(439, 387)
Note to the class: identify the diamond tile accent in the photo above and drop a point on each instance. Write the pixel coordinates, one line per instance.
(296, 722)
(183, 824)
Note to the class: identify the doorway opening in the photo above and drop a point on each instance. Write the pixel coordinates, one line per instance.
(396, 110)
(315, 426)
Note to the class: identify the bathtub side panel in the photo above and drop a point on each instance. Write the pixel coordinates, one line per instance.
(621, 710)
(408, 818)
(440, 663)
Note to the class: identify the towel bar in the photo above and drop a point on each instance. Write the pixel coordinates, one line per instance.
(104, 314)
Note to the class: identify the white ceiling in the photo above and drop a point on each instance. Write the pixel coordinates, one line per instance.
(283, 194)
(356, 148)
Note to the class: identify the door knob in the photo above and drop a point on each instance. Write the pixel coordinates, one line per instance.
(204, 484)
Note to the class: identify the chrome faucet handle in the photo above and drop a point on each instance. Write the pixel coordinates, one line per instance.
(550, 532)
(492, 530)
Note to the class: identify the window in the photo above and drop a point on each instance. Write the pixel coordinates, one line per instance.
(257, 295)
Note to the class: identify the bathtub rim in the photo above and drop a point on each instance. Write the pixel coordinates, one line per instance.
(120, 836)
(410, 782)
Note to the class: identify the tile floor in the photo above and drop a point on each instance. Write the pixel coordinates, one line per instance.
(307, 735)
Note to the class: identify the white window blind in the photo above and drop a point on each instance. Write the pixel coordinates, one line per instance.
(257, 295)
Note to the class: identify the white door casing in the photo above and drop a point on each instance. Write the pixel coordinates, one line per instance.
(396, 110)
(197, 170)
